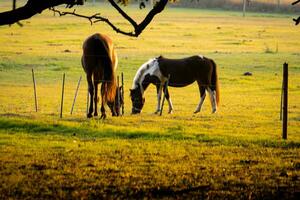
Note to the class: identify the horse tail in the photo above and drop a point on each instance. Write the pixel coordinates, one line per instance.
(215, 81)
(108, 62)
(109, 80)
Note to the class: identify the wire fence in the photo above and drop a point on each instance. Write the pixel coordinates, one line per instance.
(20, 98)
(254, 104)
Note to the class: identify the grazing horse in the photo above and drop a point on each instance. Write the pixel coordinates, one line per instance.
(99, 61)
(182, 72)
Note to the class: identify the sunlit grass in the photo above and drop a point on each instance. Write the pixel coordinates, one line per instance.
(237, 152)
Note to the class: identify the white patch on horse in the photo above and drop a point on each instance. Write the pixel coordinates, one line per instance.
(198, 109)
(159, 99)
(213, 100)
(170, 105)
(201, 56)
(140, 73)
(152, 68)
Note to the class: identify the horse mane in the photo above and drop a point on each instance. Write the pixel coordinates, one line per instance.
(141, 72)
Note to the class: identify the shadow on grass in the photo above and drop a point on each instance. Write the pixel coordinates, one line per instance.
(29, 126)
(86, 131)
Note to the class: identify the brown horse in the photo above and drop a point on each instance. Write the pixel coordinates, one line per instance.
(182, 72)
(99, 61)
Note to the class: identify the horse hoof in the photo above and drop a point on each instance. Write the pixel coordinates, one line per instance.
(114, 114)
(103, 116)
(170, 112)
(95, 114)
(89, 115)
(214, 111)
(196, 111)
(157, 112)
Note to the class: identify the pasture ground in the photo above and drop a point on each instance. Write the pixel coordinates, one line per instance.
(236, 153)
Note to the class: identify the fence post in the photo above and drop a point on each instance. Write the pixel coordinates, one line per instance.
(281, 100)
(244, 8)
(165, 91)
(122, 80)
(62, 96)
(118, 93)
(76, 93)
(87, 101)
(34, 89)
(285, 101)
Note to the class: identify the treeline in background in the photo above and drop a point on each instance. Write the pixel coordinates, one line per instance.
(251, 5)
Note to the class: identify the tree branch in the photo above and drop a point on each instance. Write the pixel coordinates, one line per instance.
(138, 28)
(297, 21)
(33, 7)
(158, 8)
(115, 5)
(295, 2)
(96, 17)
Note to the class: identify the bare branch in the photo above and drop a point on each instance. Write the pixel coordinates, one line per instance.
(295, 2)
(138, 28)
(31, 8)
(94, 19)
(14, 6)
(115, 5)
(297, 21)
(90, 18)
(159, 7)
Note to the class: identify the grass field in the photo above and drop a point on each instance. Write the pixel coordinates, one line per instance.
(236, 153)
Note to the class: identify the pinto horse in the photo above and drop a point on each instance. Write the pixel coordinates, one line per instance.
(99, 61)
(182, 72)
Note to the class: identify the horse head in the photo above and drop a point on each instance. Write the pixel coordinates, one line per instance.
(115, 106)
(137, 100)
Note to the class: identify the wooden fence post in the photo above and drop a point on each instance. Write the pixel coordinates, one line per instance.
(165, 91)
(76, 93)
(34, 89)
(62, 96)
(122, 80)
(244, 8)
(285, 101)
(87, 101)
(118, 93)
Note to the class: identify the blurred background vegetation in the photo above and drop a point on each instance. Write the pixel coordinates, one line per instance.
(252, 5)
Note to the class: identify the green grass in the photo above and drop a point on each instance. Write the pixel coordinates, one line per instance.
(236, 153)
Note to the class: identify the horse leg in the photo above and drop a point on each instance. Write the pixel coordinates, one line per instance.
(213, 100)
(167, 95)
(202, 97)
(96, 98)
(103, 114)
(91, 91)
(159, 92)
